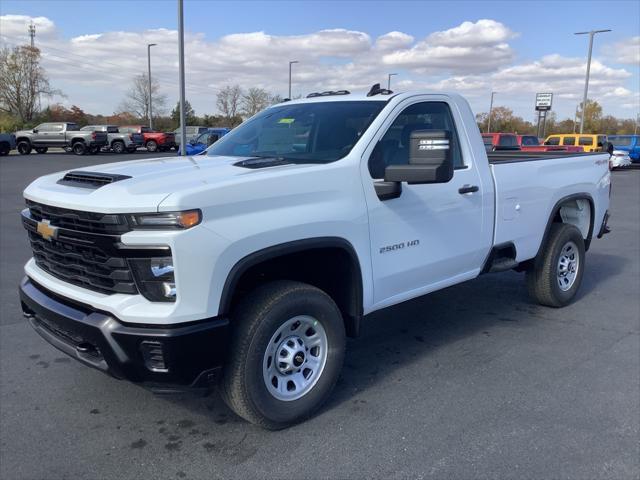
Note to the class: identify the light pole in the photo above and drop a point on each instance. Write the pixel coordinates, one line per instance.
(389, 80)
(586, 82)
(149, 45)
(291, 63)
(183, 128)
(490, 112)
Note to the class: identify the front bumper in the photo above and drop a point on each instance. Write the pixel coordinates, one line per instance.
(162, 359)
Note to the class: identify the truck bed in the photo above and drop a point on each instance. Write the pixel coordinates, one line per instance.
(524, 156)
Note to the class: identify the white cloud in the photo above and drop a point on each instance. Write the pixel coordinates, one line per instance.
(473, 58)
(625, 52)
(468, 48)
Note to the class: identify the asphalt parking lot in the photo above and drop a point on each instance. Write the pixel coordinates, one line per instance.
(473, 381)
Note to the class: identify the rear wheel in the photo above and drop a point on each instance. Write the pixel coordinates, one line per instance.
(41, 149)
(286, 354)
(152, 146)
(118, 147)
(79, 148)
(4, 149)
(556, 276)
(24, 148)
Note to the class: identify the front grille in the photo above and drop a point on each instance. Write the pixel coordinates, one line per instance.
(76, 255)
(104, 223)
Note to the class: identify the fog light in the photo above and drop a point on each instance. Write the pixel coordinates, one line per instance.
(153, 356)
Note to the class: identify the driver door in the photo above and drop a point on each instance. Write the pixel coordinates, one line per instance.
(432, 235)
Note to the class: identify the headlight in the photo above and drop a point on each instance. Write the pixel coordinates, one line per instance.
(154, 278)
(164, 220)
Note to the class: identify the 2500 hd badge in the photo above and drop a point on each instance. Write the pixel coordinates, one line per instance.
(399, 246)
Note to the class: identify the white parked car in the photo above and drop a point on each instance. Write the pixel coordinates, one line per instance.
(619, 159)
(251, 263)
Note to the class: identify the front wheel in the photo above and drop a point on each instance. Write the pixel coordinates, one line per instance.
(287, 351)
(24, 148)
(118, 147)
(152, 146)
(556, 276)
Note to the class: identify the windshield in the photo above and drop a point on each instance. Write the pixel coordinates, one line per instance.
(320, 132)
(620, 141)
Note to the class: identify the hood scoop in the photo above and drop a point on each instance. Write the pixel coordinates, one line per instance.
(92, 180)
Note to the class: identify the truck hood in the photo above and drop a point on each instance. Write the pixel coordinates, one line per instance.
(150, 182)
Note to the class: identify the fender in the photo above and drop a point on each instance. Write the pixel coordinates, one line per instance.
(355, 311)
(556, 209)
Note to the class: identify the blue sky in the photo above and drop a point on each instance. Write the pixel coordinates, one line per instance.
(538, 29)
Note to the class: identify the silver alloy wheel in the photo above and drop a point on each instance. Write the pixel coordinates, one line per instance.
(295, 358)
(568, 265)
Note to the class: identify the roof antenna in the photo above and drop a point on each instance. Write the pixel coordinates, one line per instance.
(376, 90)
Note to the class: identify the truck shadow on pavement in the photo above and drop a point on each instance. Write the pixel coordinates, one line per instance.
(399, 336)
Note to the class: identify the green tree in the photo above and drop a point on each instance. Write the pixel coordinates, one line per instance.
(189, 114)
(592, 116)
(23, 82)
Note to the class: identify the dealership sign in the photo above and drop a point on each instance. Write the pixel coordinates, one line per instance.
(543, 101)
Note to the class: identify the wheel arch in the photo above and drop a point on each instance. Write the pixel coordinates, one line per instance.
(340, 276)
(556, 216)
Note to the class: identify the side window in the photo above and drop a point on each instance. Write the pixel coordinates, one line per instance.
(529, 141)
(552, 141)
(56, 127)
(586, 141)
(569, 141)
(44, 127)
(393, 148)
(508, 141)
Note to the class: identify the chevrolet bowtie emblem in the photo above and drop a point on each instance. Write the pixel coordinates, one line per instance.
(46, 231)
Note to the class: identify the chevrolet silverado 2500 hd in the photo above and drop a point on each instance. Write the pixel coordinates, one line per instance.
(65, 135)
(248, 265)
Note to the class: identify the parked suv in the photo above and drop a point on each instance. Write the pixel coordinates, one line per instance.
(589, 142)
(60, 135)
(118, 142)
(153, 141)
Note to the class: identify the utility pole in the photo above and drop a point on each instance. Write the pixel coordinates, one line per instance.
(149, 45)
(389, 80)
(575, 119)
(586, 81)
(183, 127)
(490, 112)
(32, 34)
(291, 63)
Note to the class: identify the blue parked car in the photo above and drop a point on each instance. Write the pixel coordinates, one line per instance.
(201, 142)
(627, 143)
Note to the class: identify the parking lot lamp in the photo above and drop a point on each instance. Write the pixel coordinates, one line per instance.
(291, 63)
(586, 81)
(149, 45)
(389, 80)
(490, 112)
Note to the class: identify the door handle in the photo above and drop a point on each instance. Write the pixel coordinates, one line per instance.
(468, 189)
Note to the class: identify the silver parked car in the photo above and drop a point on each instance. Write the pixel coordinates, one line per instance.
(118, 142)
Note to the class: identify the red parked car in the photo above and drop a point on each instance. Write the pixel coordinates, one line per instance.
(153, 141)
(531, 143)
(500, 142)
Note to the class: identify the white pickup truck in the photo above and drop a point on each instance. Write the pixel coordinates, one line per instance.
(248, 265)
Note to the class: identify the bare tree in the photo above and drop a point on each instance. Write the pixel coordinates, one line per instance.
(136, 100)
(255, 100)
(23, 81)
(228, 100)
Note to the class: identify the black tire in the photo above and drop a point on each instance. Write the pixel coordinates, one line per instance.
(41, 149)
(24, 148)
(152, 146)
(255, 322)
(544, 278)
(118, 146)
(79, 148)
(4, 149)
